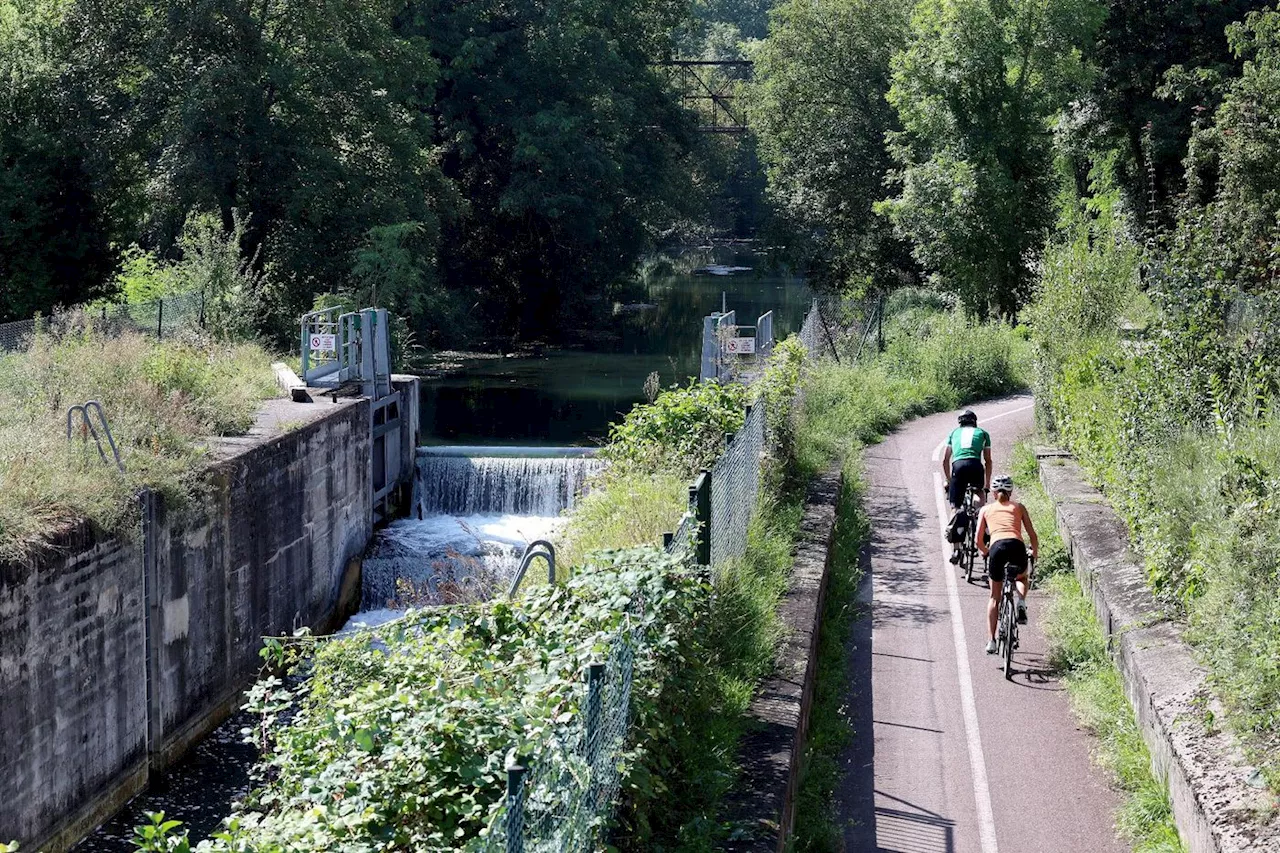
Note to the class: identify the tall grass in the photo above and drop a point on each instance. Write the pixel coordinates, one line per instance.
(621, 511)
(1078, 650)
(161, 399)
(934, 361)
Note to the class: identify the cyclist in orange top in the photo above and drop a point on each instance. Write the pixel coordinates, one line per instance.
(1004, 520)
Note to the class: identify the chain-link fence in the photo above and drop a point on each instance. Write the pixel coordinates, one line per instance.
(159, 317)
(561, 798)
(840, 327)
(735, 484)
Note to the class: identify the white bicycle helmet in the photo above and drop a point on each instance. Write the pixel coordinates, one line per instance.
(1003, 483)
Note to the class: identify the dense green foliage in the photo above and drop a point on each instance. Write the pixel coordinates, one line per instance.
(977, 90)
(820, 113)
(681, 431)
(397, 738)
(1157, 366)
(473, 166)
(163, 399)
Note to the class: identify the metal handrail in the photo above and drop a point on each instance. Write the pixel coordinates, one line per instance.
(89, 430)
(536, 548)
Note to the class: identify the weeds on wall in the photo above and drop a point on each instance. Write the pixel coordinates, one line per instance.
(162, 399)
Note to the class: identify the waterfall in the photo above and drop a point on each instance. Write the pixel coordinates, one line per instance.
(503, 485)
(475, 509)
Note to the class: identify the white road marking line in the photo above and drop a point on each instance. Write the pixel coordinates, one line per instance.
(937, 451)
(969, 708)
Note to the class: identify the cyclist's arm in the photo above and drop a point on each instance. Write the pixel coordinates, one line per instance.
(986, 466)
(946, 465)
(1031, 530)
(979, 535)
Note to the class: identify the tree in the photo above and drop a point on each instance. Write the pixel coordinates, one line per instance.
(1139, 44)
(55, 232)
(564, 143)
(819, 111)
(977, 92)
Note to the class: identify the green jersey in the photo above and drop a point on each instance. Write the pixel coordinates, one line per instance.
(968, 443)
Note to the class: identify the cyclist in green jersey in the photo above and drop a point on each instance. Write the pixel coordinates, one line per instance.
(966, 462)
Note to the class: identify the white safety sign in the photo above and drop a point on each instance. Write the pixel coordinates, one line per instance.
(324, 343)
(740, 346)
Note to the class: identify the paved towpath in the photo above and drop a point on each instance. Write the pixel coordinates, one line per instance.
(948, 756)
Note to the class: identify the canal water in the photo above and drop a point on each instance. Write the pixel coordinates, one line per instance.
(487, 509)
(570, 396)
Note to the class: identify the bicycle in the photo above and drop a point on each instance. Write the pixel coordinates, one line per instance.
(1007, 620)
(968, 547)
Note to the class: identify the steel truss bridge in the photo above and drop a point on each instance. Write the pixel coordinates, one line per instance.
(710, 88)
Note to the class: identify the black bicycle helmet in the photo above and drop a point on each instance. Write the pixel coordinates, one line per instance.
(1003, 483)
(968, 418)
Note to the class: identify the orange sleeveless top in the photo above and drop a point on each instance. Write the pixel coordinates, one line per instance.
(1004, 521)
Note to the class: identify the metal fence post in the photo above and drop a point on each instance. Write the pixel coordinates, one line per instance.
(515, 808)
(160, 318)
(880, 325)
(595, 689)
(700, 496)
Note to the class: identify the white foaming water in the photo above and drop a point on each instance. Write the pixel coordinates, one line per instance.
(445, 556)
(471, 485)
(475, 514)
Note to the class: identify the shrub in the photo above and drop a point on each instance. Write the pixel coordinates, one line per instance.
(681, 431)
(397, 739)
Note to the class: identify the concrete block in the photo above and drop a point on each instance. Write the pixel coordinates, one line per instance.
(1215, 808)
(764, 804)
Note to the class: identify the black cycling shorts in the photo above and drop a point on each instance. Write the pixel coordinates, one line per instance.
(966, 472)
(1006, 553)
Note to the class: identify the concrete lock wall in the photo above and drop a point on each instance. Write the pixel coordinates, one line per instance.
(116, 655)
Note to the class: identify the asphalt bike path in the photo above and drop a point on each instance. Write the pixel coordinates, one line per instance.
(948, 756)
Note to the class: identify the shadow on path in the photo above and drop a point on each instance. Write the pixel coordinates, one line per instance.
(855, 795)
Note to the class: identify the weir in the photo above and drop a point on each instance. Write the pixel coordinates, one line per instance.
(475, 508)
(492, 480)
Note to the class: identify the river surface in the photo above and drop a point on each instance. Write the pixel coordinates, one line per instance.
(570, 396)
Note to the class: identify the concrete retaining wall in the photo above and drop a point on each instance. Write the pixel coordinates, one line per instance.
(1216, 808)
(116, 655)
(763, 807)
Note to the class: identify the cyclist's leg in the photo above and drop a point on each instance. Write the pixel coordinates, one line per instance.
(993, 607)
(1018, 563)
(995, 579)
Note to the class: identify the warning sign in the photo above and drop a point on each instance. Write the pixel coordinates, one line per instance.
(740, 346)
(324, 343)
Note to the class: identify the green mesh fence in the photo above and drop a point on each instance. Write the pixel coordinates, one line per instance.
(161, 317)
(561, 798)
